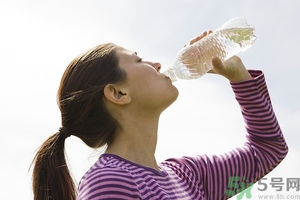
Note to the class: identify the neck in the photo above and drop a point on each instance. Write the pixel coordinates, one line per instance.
(136, 140)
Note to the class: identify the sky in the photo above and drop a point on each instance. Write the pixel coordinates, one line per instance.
(40, 38)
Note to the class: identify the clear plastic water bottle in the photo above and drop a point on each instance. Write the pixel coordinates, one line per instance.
(193, 61)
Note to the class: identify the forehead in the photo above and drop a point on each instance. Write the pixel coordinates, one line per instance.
(125, 54)
(122, 50)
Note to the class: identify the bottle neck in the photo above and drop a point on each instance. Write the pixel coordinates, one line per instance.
(170, 73)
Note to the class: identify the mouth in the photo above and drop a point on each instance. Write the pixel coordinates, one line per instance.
(170, 74)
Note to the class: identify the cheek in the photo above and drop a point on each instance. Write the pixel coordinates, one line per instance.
(144, 78)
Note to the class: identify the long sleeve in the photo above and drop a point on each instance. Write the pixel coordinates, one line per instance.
(222, 176)
(200, 177)
(264, 134)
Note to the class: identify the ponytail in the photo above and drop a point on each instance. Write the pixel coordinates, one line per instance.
(51, 176)
(84, 112)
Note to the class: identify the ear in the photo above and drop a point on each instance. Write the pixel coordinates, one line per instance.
(116, 94)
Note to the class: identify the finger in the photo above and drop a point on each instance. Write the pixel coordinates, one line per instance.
(212, 71)
(199, 37)
(217, 64)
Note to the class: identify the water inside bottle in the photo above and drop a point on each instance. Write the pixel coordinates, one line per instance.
(243, 36)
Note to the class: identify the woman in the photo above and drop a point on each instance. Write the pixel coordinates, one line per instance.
(110, 96)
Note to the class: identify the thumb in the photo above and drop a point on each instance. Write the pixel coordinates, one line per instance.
(217, 64)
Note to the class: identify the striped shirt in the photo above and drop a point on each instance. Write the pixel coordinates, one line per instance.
(199, 177)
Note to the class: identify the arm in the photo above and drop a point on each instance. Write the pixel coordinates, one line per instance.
(220, 177)
(265, 146)
(265, 143)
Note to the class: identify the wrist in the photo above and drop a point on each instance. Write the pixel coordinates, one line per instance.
(242, 75)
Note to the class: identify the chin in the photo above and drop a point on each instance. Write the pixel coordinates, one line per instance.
(176, 93)
(172, 99)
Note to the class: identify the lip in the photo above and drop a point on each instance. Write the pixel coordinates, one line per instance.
(165, 76)
(168, 78)
(170, 74)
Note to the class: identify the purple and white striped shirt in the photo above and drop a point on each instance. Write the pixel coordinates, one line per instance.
(199, 177)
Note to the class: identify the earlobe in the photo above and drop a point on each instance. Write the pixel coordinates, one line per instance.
(116, 95)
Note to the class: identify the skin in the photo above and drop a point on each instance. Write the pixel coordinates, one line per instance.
(137, 108)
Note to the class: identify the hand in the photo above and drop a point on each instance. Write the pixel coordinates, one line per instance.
(233, 69)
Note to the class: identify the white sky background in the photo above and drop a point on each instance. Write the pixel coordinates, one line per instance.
(39, 39)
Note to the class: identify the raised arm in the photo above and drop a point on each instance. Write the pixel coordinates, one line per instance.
(222, 176)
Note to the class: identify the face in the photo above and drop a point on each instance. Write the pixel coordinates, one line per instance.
(147, 87)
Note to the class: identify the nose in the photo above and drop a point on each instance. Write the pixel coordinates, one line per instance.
(157, 66)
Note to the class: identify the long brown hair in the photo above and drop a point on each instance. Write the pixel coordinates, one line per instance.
(84, 114)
